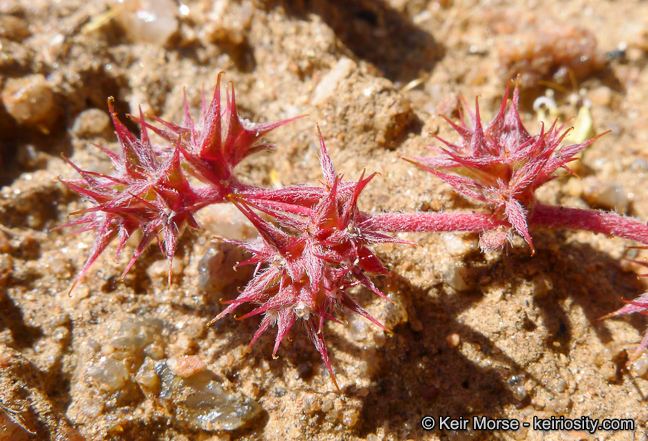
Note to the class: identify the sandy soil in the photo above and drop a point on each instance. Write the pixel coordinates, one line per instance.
(502, 334)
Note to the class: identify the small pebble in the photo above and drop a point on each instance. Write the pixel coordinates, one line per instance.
(574, 187)
(30, 101)
(328, 84)
(328, 404)
(600, 96)
(455, 244)
(350, 417)
(518, 390)
(225, 220)
(200, 402)
(133, 335)
(71, 301)
(454, 340)
(149, 21)
(155, 350)
(560, 405)
(110, 374)
(228, 23)
(358, 329)
(605, 195)
(13, 28)
(394, 313)
(186, 365)
(538, 403)
(147, 378)
(59, 265)
(91, 123)
(311, 405)
(160, 269)
(184, 345)
(608, 371)
(88, 408)
(639, 367)
(559, 386)
(454, 278)
(216, 269)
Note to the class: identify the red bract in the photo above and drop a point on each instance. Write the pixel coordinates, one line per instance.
(501, 165)
(220, 139)
(305, 268)
(146, 192)
(149, 191)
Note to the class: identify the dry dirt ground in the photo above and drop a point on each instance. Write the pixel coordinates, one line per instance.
(502, 334)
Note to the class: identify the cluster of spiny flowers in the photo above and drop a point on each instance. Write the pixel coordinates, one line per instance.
(150, 190)
(314, 242)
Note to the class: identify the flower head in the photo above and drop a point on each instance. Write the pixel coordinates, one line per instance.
(502, 164)
(149, 189)
(215, 144)
(306, 264)
(146, 192)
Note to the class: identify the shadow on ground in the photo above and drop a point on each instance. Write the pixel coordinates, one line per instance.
(376, 33)
(418, 374)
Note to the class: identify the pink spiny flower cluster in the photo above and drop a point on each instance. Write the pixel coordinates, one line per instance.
(306, 266)
(215, 144)
(149, 190)
(501, 165)
(314, 243)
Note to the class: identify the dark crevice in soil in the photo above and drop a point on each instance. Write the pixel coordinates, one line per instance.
(241, 54)
(59, 386)
(11, 317)
(8, 171)
(374, 32)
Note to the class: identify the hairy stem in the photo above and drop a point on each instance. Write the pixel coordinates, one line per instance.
(411, 222)
(611, 224)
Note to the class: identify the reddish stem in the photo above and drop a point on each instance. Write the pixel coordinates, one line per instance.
(611, 224)
(401, 222)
